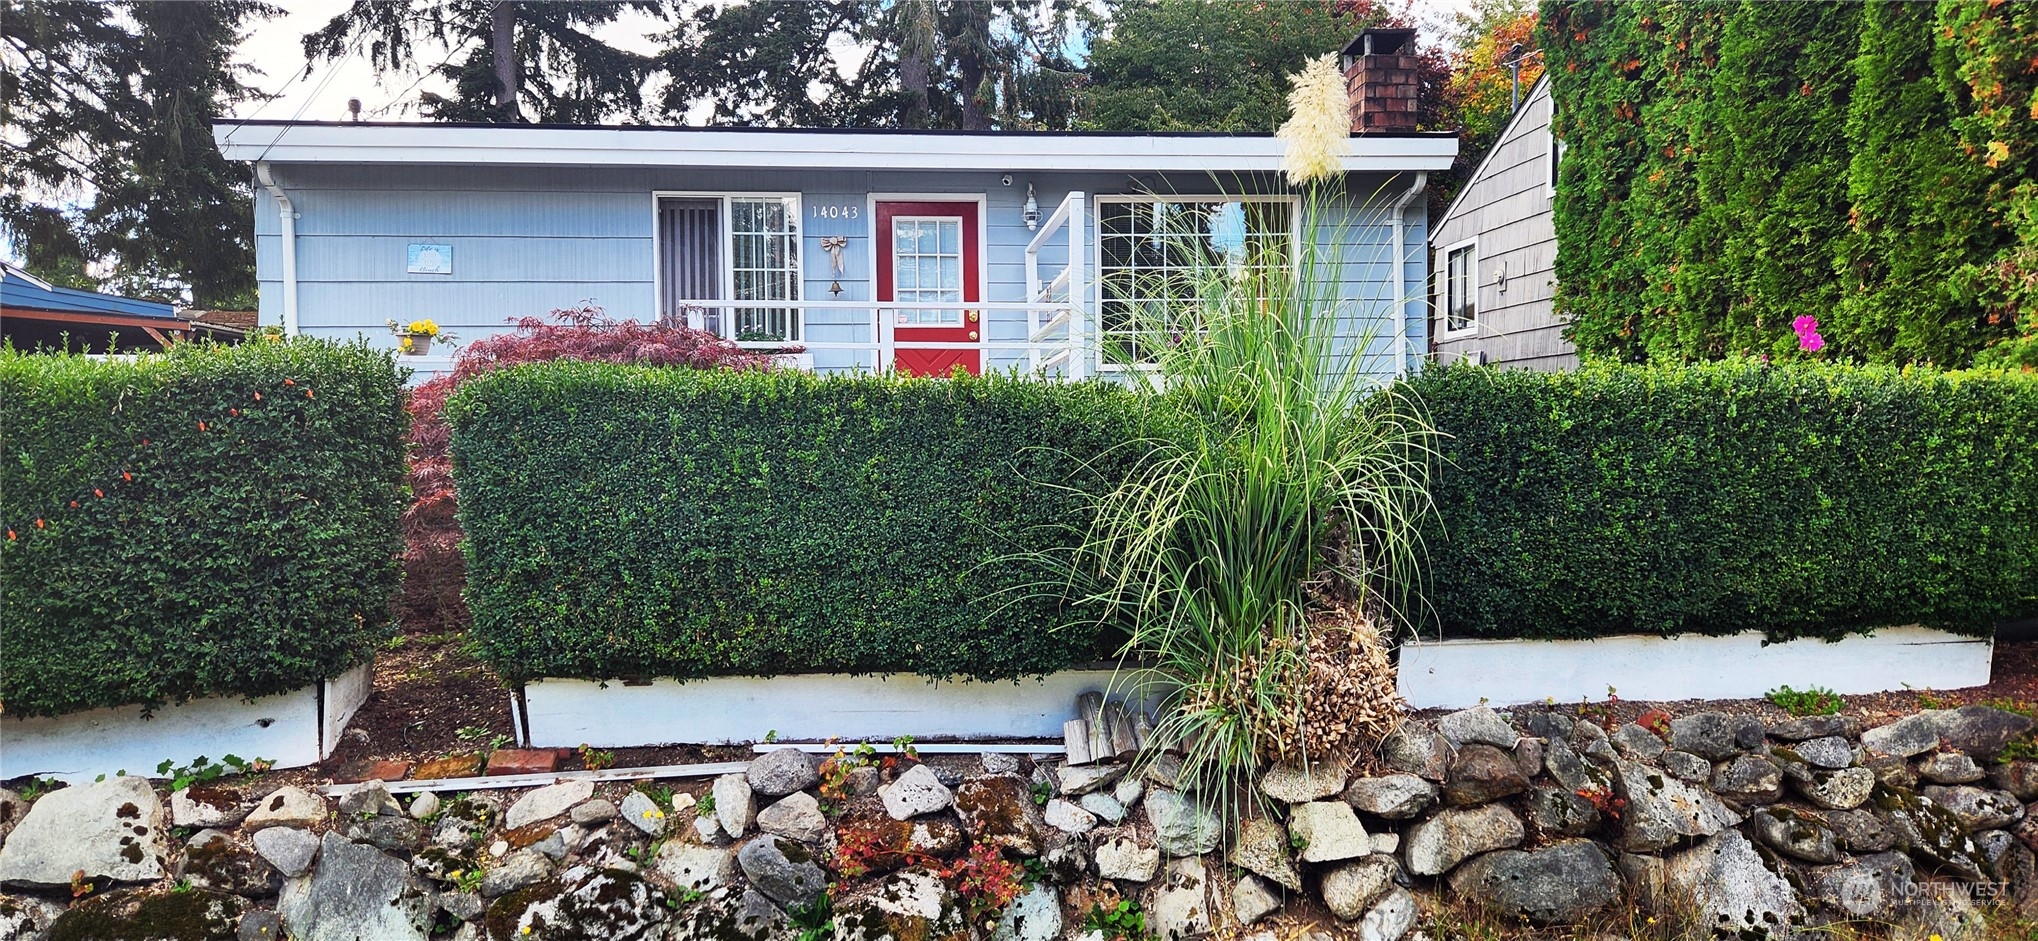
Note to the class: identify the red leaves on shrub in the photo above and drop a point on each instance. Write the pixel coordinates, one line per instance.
(434, 572)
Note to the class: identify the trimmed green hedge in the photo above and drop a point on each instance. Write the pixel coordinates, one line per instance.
(634, 522)
(210, 521)
(1800, 500)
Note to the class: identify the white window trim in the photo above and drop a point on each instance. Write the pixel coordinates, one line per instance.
(1096, 259)
(728, 243)
(1443, 290)
(983, 201)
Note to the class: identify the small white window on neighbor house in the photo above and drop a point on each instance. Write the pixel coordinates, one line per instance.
(1154, 255)
(1461, 289)
(760, 238)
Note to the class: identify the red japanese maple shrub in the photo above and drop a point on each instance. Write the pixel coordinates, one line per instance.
(434, 572)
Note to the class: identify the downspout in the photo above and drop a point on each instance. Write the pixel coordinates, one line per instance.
(1401, 270)
(288, 215)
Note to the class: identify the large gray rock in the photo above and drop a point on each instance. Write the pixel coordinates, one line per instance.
(783, 869)
(1181, 826)
(547, 802)
(1980, 731)
(1686, 767)
(2017, 777)
(735, 804)
(370, 798)
(613, 904)
(286, 807)
(1353, 888)
(641, 811)
(1661, 810)
(1456, 834)
(1068, 817)
(693, 866)
(288, 849)
(1126, 858)
(999, 810)
(1393, 796)
(205, 806)
(918, 791)
(1876, 887)
(1829, 752)
(1178, 906)
(1794, 834)
(1734, 891)
(1482, 773)
(781, 772)
(1950, 767)
(1709, 735)
(1559, 812)
(1034, 916)
(1105, 807)
(1327, 831)
(1749, 779)
(798, 816)
(1860, 831)
(1294, 784)
(912, 903)
(1929, 833)
(1262, 847)
(111, 830)
(1416, 749)
(726, 915)
(1390, 918)
(1254, 898)
(1565, 767)
(1077, 780)
(1636, 743)
(1910, 735)
(1477, 725)
(357, 893)
(1844, 789)
(1810, 727)
(1977, 808)
(27, 918)
(1558, 884)
(521, 868)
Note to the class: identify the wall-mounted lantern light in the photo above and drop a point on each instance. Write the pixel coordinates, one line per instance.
(1032, 212)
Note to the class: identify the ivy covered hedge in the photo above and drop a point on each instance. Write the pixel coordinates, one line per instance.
(213, 521)
(634, 522)
(1804, 500)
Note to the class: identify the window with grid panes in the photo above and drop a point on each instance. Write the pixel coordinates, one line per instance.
(1154, 254)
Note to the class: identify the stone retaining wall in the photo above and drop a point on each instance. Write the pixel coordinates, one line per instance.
(1753, 830)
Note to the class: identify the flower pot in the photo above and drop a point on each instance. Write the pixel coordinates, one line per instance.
(418, 344)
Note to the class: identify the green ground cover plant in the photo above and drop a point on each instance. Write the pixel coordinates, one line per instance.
(212, 521)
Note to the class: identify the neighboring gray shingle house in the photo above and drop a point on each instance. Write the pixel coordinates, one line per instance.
(1494, 251)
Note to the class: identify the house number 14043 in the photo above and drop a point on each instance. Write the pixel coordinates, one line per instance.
(835, 212)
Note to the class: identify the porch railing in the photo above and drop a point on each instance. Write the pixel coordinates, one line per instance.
(1054, 316)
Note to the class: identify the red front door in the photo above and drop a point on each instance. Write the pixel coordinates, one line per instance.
(928, 252)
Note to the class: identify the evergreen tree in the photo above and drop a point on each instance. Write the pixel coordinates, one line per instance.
(1197, 65)
(770, 62)
(1919, 204)
(1985, 64)
(508, 61)
(110, 166)
(1775, 182)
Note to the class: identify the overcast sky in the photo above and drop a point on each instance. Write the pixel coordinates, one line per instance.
(276, 47)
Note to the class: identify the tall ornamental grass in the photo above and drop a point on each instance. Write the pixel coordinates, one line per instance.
(1257, 557)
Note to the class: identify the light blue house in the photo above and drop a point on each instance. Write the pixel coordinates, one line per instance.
(920, 250)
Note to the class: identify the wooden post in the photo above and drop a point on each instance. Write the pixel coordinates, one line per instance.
(1075, 736)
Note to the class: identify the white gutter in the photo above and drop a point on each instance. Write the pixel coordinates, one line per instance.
(1401, 269)
(288, 215)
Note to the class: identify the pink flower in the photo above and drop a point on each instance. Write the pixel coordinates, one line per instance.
(1808, 339)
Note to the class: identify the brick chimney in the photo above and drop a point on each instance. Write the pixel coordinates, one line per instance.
(1382, 78)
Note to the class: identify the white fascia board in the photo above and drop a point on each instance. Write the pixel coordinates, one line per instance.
(471, 146)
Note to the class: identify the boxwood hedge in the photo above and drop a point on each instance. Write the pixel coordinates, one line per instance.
(210, 521)
(633, 522)
(1802, 500)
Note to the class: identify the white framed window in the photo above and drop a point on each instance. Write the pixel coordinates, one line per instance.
(1458, 288)
(730, 246)
(927, 266)
(1153, 253)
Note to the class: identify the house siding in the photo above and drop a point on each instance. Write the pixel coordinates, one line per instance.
(1506, 207)
(526, 240)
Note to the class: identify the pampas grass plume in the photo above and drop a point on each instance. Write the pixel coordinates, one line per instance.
(1319, 126)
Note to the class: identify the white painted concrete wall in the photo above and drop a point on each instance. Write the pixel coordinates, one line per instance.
(284, 728)
(1463, 673)
(807, 707)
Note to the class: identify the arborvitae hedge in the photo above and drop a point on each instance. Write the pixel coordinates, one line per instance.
(214, 521)
(1721, 179)
(625, 521)
(1801, 500)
